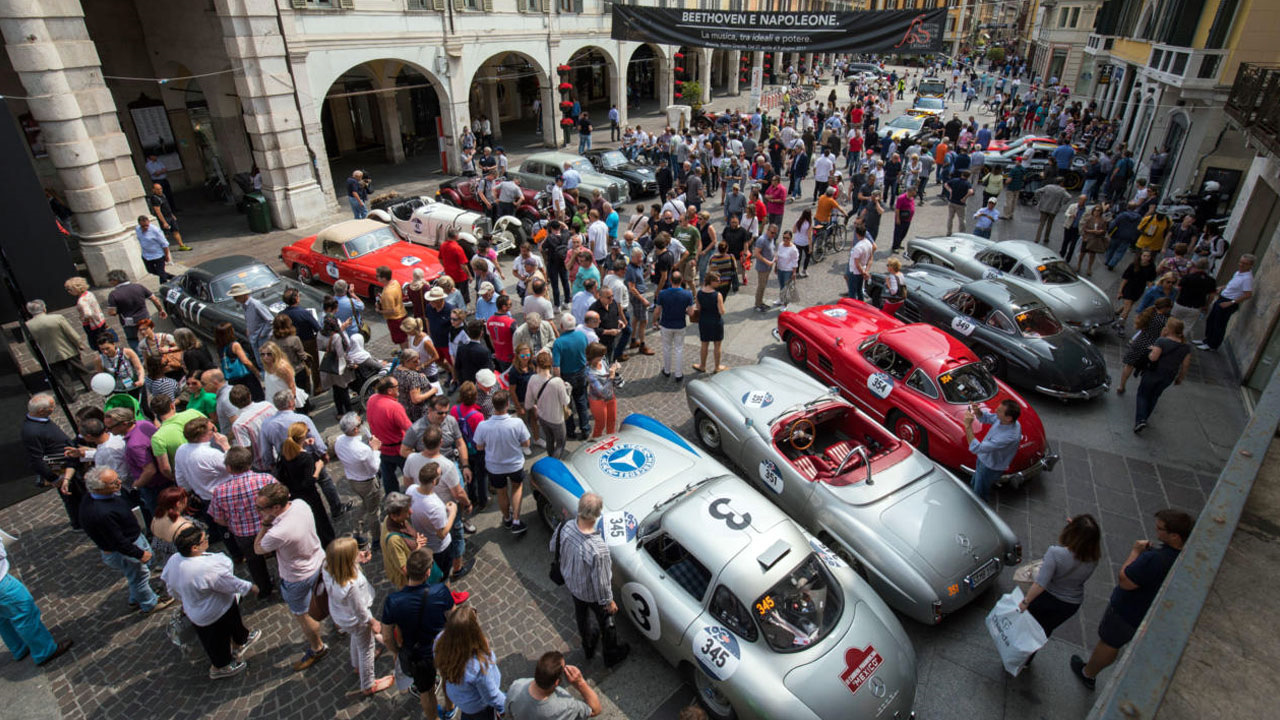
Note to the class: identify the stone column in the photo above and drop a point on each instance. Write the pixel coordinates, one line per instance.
(618, 94)
(390, 112)
(314, 131)
(666, 88)
(704, 73)
(57, 62)
(735, 67)
(550, 114)
(251, 33)
(493, 108)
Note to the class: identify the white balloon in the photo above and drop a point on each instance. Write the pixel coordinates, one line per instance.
(103, 384)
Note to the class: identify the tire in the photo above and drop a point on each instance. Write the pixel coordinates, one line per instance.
(365, 391)
(708, 432)
(546, 511)
(374, 293)
(305, 276)
(819, 250)
(797, 350)
(922, 259)
(992, 362)
(1072, 180)
(839, 239)
(710, 698)
(840, 550)
(904, 428)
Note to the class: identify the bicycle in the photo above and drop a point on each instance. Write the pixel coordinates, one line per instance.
(830, 238)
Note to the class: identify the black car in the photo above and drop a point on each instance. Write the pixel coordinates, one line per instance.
(1036, 162)
(198, 298)
(1008, 328)
(641, 179)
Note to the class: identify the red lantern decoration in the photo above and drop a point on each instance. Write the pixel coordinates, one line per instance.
(567, 122)
(679, 55)
(563, 68)
(564, 87)
(678, 69)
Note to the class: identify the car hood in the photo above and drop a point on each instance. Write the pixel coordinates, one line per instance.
(402, 258)
(942, 524)
(1071, 362)
(865, 672)
(641, 170)
(763, 392)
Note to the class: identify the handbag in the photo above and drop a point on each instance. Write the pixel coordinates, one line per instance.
(329, 363)
(1016, 634)
(172, 360)
(556, 576)
(319, 608)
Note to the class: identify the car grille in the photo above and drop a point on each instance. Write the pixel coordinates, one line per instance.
(613, 193)
(651, 187)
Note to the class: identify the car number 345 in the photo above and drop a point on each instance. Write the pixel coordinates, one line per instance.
(717, 652)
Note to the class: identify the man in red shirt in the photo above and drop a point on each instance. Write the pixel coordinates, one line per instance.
(454, 260)
(855, 149)
(855, 116)
(502, 329)
(388, 421)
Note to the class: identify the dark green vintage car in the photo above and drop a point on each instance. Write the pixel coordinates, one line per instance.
(198, 298)
(1015, 335)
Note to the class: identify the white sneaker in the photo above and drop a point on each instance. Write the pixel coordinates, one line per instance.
(235, 668)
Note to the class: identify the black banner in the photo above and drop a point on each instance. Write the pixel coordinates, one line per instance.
(882, 31)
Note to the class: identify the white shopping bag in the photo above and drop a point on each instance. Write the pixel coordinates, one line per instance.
(1017, 635)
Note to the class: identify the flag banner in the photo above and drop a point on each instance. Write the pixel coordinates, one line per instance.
(882, 31)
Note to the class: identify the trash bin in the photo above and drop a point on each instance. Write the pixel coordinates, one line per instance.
(258, 212)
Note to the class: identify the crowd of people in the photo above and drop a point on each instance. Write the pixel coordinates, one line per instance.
(497, 359)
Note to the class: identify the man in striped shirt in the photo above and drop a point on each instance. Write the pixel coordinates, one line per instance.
(234, 506)
(585, 564)
(247, 428)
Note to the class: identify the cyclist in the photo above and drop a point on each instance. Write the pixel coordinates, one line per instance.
(827, 205)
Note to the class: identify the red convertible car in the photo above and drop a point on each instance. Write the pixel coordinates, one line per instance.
(461, 192)
(353, 250)
(915, 379)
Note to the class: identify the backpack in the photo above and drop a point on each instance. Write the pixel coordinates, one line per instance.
(464, 425)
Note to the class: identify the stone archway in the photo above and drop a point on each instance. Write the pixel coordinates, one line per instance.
(593, 76)
(386, 110)
(502, 91)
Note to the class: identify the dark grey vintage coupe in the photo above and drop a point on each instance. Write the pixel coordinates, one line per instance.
(1015, 335)
(198, 298)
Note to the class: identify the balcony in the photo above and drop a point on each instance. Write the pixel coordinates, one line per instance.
(1099, 44)
(1184, 67)
(1254, 103)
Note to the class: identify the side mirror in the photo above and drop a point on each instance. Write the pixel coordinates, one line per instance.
(749, 422)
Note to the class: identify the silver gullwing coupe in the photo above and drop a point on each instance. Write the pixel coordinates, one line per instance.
(922, 539)
(1074, 300)
(769, 622)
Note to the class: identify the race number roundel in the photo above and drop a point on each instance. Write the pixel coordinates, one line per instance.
(963, 325)
(417, 226)
(771, 476)
(991, 273)
(618, 527)
(758, 399)
(409, 260)
(642, 610)
(173, 295)
(880, 385)
(717, 652)
(331, 269)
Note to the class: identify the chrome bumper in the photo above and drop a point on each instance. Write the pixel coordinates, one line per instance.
(1044, 464)
(1078, 395)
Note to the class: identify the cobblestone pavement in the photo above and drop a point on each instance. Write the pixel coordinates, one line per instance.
(123, 666)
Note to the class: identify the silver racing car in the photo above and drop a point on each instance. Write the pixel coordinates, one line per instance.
(769, 622)
(922, 539)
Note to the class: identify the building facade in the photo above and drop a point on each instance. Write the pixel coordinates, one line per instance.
(216, 88)
(1059, 33)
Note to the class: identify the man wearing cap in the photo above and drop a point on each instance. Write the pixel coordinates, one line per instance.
(257, 318)
(391, 305)
(437, 313)
(985, 218)
(486, 301)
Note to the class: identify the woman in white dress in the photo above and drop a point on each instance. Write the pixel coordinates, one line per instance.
(278, 374)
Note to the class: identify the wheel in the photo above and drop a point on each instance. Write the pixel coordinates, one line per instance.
(709, 695)
(992, 362)
(819, 251)
(843, 553)
(798, 351)
(374, 293)
(839, 239)
(366, 392)
(907, 429)
(708, 432)
(546, 512)
(922, 259)
(1072, 180)
(304, 273)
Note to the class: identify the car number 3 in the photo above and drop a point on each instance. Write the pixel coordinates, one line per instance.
(720, 510)
(642, 610)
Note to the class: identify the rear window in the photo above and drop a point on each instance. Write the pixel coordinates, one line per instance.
(932, 87)
(1037, 323)
(1056, 272)
(967, 384)
(800, 609)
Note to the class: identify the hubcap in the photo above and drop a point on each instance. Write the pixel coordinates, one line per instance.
(711, 695)
(797, 350)
(710, 433)
(990, 362)
(906, 430)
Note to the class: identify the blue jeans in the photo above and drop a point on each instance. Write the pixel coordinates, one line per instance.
(623, 339)
(854, 285)
(584, 143)
(358, 209)
(784, 277)
(984, 478)
(20, 625)
(983, 232)
(137, 573)
(1115, 252)
(581, 411)
(387, 467)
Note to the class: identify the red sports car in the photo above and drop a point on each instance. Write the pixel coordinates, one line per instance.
(461, 192)
(353, 251)
(999, 145)
(915, 379)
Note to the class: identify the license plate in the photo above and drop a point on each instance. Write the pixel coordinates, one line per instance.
(982, 574)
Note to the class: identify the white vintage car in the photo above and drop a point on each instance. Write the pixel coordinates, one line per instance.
(425, 221)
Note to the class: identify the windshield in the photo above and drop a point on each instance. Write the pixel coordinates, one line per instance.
(930, 87)
(910, 123)
(967, 384)
(368, 242)
(801, 609)
(256, 277)
(582, 165)
(929, 103)
(1056, 272)
(613, 159)
(1037, 323)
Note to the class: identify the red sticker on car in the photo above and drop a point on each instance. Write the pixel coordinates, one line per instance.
(860, 665)
(603, 445)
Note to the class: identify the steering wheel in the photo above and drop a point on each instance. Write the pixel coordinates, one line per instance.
(800, 437)
(881, 356)
(967, 305)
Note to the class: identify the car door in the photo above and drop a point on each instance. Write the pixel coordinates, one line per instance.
(671, 595)
(777, 478)
(875, 372)
(195, 299)
(964, 315)
(995, 263)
